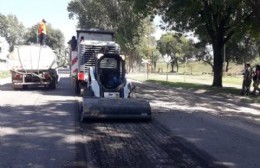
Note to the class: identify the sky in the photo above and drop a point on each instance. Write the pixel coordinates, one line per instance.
(31, 12)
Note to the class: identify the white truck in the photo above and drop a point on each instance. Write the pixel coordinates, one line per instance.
(33, 65)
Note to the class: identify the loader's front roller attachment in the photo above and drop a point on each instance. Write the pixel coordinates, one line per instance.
(115, 108)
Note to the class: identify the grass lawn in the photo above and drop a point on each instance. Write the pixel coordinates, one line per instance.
(4, 74)
(202, 83)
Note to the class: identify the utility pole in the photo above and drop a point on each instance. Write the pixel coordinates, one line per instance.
(148, 49)
(224, 58)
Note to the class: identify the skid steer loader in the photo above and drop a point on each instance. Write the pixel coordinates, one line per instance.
(108, 93)
(98, 75)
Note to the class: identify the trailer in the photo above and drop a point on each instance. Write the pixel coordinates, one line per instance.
(33, 65)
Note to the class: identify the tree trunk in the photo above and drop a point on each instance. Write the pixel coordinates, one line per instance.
(154, 66)
(131, 62)
(227, 65)
(172, 65)
(218, 62)
(177, 65)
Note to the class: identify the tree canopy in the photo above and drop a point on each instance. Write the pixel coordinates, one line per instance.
(214, 21)
(12, 30)
(112, 15)
(55, 38)
(177, 47)
(16, 34)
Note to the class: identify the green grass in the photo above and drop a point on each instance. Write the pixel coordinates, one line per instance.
(207, 89)
(4, 74)
(234, 81)
(201, 83)
(197, 76)
(197, 68)
(197, 86)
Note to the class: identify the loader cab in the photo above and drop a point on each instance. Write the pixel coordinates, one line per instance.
(110, 71)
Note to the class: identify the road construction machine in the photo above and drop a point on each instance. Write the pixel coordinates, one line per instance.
(98, 74)
(33, 65)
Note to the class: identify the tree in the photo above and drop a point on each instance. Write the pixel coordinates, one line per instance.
(112, 15)
(166, 46)
(145, 45)
(176, 46)
(12, 30)
(3, 25)
(214, 21)
(203, 53)
(187, 48)
(255, 5)
(241, 51)
(155, 55)
(152, 52)
(55, 38)
(31, 35)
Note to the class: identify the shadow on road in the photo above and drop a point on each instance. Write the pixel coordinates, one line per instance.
(63, 89)
(170, 99)
(37, 135)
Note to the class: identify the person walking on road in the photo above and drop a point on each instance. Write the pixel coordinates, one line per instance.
(247, 80)
(42, 32)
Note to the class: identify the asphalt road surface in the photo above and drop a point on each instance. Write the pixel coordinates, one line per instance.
(40, 128)
(37, 127)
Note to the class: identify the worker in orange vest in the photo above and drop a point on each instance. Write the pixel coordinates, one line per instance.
(42, 32)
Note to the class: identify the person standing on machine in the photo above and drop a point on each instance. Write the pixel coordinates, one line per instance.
(42, 32)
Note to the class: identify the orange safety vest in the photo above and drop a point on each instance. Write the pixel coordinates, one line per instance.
(42, 28)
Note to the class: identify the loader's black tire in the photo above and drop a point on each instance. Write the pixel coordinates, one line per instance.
(82, 119)
(81, 116)
(148, 119)
(24, 87)
(88, 92)
(53, 85)
(77, 88)
(15, 87)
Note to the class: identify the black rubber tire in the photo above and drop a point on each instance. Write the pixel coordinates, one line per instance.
(88, 92)
(25, 87)
(81, 116)
(53, 85)
(77, 88)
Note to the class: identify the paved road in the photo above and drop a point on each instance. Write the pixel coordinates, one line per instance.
(138, 145)
(224, 127)
(40, 128)
(37, 127)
